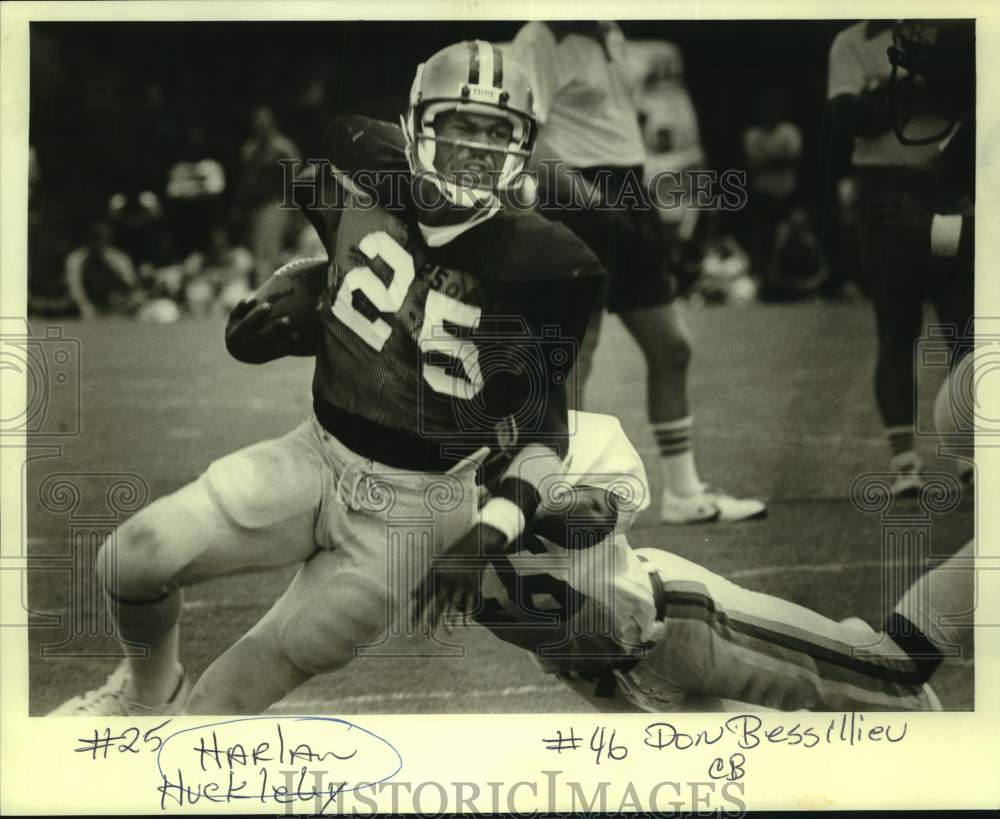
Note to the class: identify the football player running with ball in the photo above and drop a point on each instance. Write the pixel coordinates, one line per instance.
(448, 323)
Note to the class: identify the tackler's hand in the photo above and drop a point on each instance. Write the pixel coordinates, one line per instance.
(455, 579)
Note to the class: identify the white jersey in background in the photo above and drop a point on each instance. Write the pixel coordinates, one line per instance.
(583, 93)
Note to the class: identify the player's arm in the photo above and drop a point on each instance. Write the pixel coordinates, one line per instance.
(455, 578)
(942, 235)
(953, 235)
(360, 156)
(254, 334)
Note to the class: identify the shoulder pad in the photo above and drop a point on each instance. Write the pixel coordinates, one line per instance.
(532, 248)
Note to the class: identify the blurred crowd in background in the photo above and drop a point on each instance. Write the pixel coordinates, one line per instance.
(154, 177)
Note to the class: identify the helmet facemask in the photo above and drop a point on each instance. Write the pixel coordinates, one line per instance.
(449, 91)
(933, 71)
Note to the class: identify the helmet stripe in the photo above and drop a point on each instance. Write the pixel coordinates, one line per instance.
(497, 67)
(485, 61)
(473, 62)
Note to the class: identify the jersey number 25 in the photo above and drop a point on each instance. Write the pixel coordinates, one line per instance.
(438, 309)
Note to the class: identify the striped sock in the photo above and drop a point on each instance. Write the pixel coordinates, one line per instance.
(925, 655)
(933, 619)
(673, 439)
(900, 438)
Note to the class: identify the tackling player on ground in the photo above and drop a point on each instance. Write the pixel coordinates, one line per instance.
(647, 630)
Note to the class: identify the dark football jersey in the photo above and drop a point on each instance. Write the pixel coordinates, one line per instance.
(444, 342)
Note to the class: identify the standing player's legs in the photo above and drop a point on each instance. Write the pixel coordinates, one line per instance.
(640, 291)
(896, 273)
(254, 509)
(898, 319)
(666, 346)
(270, 221)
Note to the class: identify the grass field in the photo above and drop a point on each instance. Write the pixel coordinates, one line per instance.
(783, 408)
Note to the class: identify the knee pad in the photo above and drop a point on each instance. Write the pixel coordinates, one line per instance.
(131, 562)
(144, 603)
(322, 635)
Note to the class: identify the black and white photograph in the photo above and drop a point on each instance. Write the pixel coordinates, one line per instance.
(615, 379)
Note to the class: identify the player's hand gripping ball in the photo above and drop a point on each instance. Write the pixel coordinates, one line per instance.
(281, 317)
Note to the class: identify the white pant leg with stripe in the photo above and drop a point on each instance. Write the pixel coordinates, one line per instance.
(720, 640)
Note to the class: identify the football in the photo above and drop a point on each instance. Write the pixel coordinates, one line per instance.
(294, 290)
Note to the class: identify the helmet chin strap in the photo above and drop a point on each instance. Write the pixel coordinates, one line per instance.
(445, 210)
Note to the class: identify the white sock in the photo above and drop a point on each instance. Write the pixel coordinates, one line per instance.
(673, 438)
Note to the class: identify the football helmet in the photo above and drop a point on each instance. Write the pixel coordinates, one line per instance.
(933, 71)
(478, 78)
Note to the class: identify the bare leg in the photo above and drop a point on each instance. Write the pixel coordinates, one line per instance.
(665, 342)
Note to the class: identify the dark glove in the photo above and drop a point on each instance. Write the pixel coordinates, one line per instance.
(455, 578)
(253, 338)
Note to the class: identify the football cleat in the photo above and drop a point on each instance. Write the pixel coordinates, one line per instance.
(908, 481)
(112, 699)
(708, 506)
